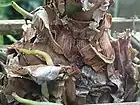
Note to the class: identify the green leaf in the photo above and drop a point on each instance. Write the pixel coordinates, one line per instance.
(1, 40)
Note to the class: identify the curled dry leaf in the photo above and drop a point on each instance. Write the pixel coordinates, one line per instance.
(42, 73)
(41, 22)
(100, 52)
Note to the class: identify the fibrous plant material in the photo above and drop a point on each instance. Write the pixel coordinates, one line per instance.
(83, 63)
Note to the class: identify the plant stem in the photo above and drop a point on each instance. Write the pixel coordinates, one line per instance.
(11, 38)
(30, 102)
(116, 8)
(21, 11)
(46, 56)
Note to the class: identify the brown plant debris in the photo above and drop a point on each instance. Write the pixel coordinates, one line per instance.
(69, 47)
